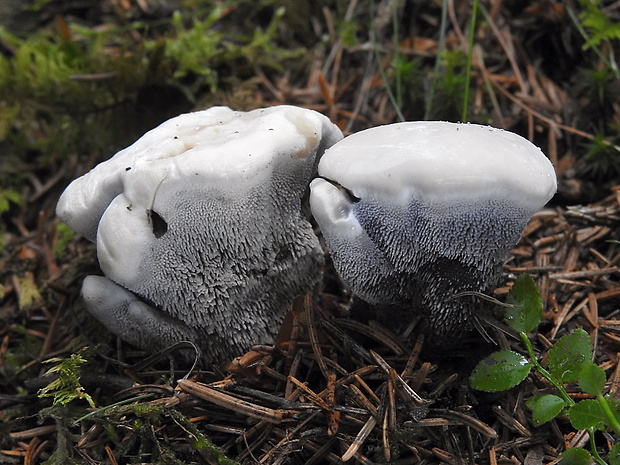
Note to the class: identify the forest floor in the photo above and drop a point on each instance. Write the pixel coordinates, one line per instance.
(81, 80)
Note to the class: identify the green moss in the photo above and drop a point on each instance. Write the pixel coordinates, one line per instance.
(66, 386)
(601, 160)
(449, 87)
(24, 347)
(598, 23)
(64, 236)
(199, 440)
(91, 91)
(7, 198)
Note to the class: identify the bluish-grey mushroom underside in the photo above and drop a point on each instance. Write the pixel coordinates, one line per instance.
(422, 256)
(202, 237)
(419, 214)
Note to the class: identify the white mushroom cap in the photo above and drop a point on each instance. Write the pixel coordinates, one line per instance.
(226, 148)
(201, 219)
(434, 206)
(442, 163)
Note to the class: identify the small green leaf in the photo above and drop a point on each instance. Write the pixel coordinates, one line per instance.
(576, 456)
(569, 355)
(587, 414)
(527, 306)
(500, 371)
(592, 379)
(545, 407)
(613, 458)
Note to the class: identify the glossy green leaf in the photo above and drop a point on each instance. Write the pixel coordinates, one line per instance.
(569, 355)
(613, 458)
(545, 407)
(527, 306)
(576, 456)
(592, 379)
(587, 414)
(500, 371)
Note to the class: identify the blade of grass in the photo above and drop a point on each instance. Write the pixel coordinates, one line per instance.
(440, 48)
(388, 89)
(115, 404)
(470, 53)
(396, 40)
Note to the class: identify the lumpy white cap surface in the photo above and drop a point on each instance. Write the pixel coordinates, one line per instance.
(217, 147)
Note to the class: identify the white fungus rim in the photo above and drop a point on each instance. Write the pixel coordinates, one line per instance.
(441, 162)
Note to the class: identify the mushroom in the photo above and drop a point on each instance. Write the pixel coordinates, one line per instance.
(199, 228)
(421, 213)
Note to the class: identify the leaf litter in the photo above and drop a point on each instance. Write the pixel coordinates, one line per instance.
(331, 388)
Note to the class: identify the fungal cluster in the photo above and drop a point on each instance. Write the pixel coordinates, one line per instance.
(199, 228)
(201, 233)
